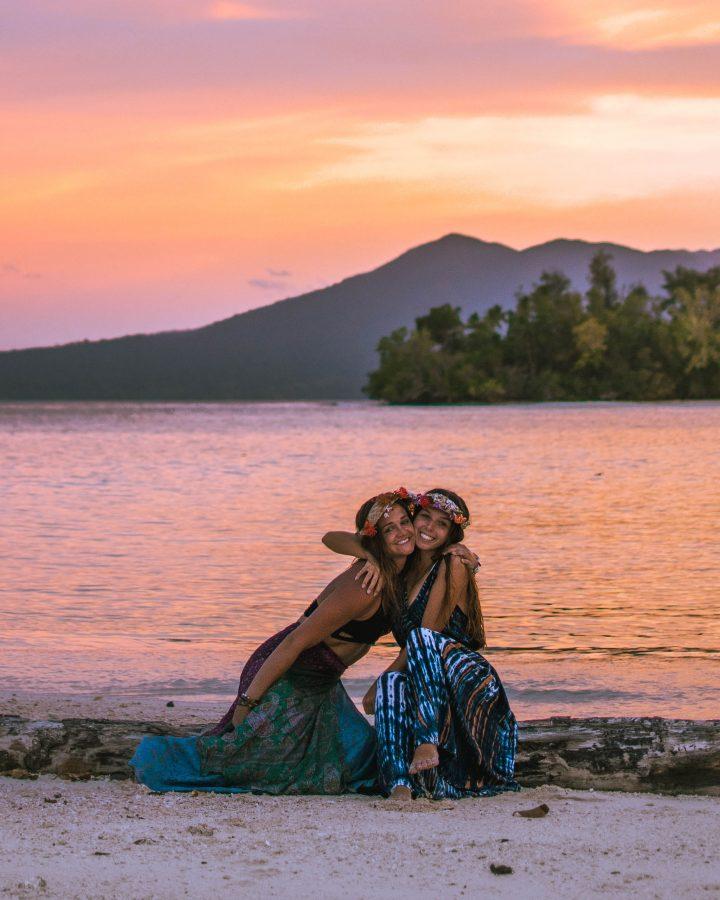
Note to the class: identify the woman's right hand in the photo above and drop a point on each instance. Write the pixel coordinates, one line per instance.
(370, 576)
(368, 701)
(239, 715)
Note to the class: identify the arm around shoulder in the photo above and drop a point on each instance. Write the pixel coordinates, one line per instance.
(346, 543)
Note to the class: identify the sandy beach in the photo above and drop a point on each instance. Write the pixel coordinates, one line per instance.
(108, 839)
(115, 839)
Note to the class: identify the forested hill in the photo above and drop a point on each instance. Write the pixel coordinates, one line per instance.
(319, 345)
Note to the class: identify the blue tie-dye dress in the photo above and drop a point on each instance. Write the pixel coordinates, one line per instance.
(450, 696)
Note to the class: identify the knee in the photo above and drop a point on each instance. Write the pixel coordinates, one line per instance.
(390, 681)
(420, 637)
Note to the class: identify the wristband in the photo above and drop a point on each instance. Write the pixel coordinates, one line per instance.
(244, 700)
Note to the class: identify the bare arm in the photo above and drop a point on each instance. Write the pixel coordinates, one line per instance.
(347, 601)
(346, 543)
(465, 554)
(438, 611)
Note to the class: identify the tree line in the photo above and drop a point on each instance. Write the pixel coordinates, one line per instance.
(560, 344)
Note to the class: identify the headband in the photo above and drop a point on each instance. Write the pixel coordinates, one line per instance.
(444, 504)
(383, 503)
(381, 507)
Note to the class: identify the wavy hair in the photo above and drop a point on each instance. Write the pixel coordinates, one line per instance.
(456, 534)
(392, 594)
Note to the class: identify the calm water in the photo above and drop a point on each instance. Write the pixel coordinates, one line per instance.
(149, 548)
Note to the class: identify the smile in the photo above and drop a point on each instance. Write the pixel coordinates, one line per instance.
(426, 537)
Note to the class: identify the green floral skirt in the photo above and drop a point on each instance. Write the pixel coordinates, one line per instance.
(305, 737)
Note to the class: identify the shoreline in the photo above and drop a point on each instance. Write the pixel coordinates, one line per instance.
(107, 705)
(109, 838)
(95, 736)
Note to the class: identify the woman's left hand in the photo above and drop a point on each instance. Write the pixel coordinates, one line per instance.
(470, 559)
(239, 715)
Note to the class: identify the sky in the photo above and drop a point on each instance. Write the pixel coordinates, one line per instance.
(168, 163)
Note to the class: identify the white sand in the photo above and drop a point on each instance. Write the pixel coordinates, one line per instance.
(114, 839)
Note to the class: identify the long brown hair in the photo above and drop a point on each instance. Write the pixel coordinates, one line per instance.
(392, 592)
(456, 534)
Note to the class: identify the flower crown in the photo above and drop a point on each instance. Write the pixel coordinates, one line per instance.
(444, 504)
(381, 507)
(383, 503)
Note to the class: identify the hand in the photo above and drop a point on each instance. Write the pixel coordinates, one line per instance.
(372, 580)
(466, 556)
(368, 701)
(239, 715)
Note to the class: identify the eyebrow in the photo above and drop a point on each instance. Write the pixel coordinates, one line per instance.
(392, 524)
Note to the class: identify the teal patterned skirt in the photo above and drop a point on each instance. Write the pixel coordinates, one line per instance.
(305, 737)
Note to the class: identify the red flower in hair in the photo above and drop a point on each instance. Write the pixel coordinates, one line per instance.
(369, 530)
(402, 493)
(425, 501)
(458, 519)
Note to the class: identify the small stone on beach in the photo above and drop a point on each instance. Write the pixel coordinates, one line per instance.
(500, 869)
(537, 812)
(170, 703)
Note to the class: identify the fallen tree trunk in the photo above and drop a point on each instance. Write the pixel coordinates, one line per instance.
(620, 754)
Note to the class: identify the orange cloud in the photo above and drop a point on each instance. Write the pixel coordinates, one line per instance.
(620, 147)
(159, 156)
(642, 24)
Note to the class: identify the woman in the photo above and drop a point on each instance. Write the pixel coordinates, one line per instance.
(293, 727)
(444, 725)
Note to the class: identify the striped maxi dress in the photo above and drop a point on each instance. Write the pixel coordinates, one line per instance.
(451, 696)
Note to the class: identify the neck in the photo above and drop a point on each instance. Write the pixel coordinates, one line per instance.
(399, 562)
(426, 558)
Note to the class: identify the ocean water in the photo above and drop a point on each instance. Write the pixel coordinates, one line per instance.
(148, 548)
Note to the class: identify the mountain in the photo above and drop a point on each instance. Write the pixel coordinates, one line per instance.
(319, 345)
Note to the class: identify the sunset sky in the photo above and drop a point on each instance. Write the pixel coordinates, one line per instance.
(166, 163)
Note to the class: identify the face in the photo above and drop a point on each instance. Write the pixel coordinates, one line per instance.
(396, 532)
(432, 527)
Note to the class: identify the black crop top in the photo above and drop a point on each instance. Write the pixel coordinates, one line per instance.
(359, 631)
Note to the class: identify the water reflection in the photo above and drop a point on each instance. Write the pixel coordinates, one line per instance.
(146, 543)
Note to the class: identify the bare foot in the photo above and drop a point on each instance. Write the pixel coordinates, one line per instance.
(401, 793)
(425, 757)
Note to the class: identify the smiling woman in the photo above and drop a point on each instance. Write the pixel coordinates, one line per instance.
(292, 728)
(444, 724)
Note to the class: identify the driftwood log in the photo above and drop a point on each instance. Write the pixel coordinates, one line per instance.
(618, 754)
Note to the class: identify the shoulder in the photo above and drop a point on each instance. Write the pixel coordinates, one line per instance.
(456, 570)
(347, 589)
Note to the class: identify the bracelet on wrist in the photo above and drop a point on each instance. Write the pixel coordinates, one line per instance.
(247, 702)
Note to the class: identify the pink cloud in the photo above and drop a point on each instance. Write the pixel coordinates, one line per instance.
(232, 11)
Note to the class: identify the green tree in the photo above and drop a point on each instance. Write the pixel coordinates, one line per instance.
(602, 294)
(555, 345)
(696, 326)
(539, 344)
